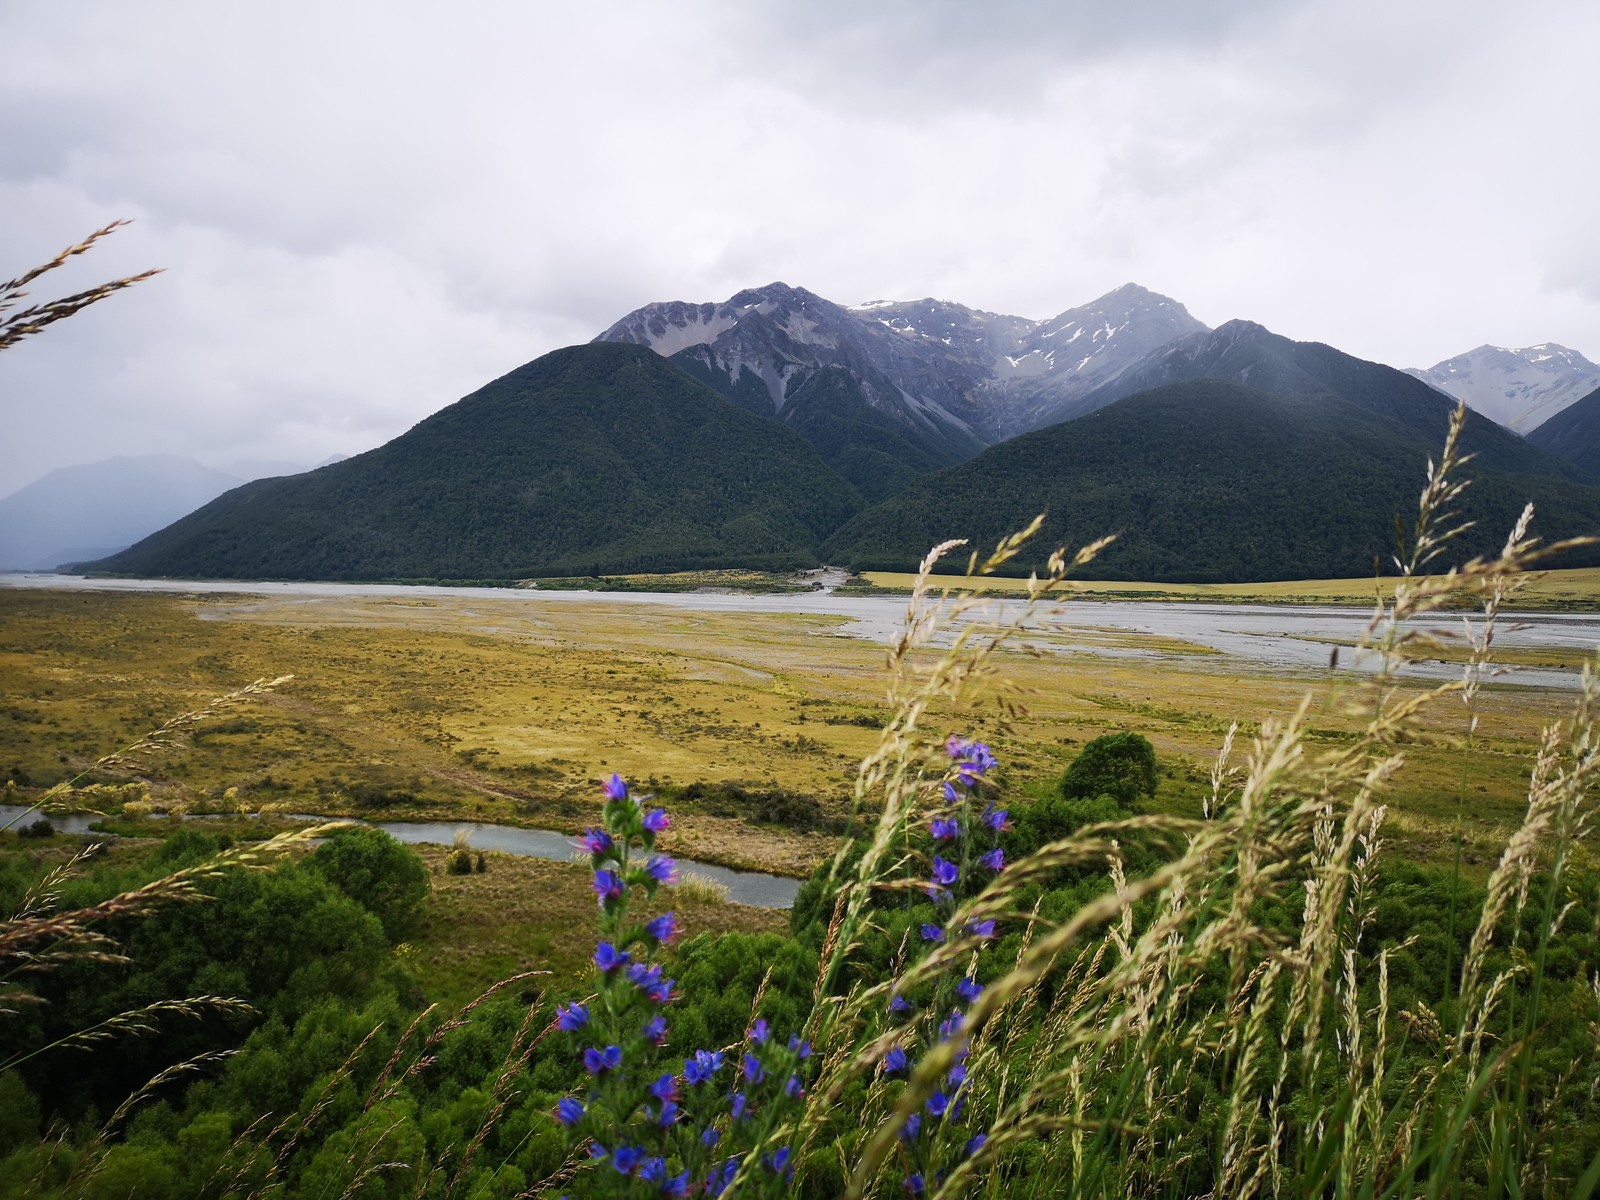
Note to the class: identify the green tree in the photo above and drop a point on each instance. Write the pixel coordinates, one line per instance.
(1119, 765)
(378, 873)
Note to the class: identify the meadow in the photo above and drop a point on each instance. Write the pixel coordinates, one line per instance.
(751, 723)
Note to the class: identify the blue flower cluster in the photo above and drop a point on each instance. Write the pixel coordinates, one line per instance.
(652, 1132)
(931, 1139)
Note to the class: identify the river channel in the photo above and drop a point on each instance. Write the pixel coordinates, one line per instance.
(755, 888)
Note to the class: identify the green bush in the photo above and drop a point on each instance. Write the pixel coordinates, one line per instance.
(1119, 765)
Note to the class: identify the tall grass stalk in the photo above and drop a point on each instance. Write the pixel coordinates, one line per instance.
(1096, 1051)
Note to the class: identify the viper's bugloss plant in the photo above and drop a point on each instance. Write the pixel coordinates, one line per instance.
(933, 1138)
(724, 1115)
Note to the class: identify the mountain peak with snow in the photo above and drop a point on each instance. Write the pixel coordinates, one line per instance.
(1521, 387)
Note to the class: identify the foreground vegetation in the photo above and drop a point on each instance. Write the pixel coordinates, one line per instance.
(1057, 982)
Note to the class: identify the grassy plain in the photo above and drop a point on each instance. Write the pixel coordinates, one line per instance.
(514, 709)
(1576, 590)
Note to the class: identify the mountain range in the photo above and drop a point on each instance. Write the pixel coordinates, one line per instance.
(778, 429)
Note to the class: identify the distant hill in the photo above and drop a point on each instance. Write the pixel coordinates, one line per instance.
(88, 511)
(1520, 388)
(904, 386)
(1573, 434)
(1208, 481)
(598, 458)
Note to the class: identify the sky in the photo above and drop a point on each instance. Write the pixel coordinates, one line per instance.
(366, 210)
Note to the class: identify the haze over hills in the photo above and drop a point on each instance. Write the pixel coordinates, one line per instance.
(1207, 480)
(1520, 388)
(88, 511)
(593, 458)
(936, 381)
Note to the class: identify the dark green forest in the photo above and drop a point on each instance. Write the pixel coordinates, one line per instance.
(599, 458)
(1208, 482)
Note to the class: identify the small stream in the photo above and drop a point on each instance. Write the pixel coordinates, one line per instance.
(755, 888)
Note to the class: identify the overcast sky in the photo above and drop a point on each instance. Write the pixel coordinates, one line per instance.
(367, 210)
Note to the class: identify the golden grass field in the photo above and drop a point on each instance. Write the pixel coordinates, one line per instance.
(508, 710)
(1576, 589)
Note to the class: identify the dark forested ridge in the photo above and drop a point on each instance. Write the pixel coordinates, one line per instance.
(1209, 481)
(595, 458)
(1573, 434)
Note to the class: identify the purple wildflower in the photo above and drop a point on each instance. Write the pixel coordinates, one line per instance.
(914, 1184)
(655, 1030)
(932, 933)
(752, 1069)
(968, 989)
(899, 1005)
(759, 1032)
(608, 958)
(702, 1066)
(596, 841)
(664, 929)
(653, 1169)
(665, 1088)
(661, 869)
(625, 1158)
(616, 789)
(974, 1144)
(995, 860)
(981, 929)
(911, 1128)
(802, 1049)
(656, 821)
(793, 1088)
(997, 819)
(944, 828)
(607, 885)
(710, 1136)
(778, 1161)
(572, 1017)
(569, 1110)
(950, 792)
(597, 1062)
(894, 1062)
(937, 1104)
(945, 873)
(736, 1107)
(677, 1186)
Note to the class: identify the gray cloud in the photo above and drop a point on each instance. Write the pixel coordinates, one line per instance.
(368, 209)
